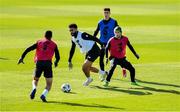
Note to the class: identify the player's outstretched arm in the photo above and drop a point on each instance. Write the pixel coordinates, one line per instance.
(27, 51)
(71, 53)
(132, 50)
(57, 56)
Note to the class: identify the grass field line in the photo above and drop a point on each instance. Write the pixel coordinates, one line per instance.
(125, 9)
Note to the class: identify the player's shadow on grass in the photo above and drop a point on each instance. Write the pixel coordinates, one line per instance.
(157, 83)
(72, 93)
(85, 105)
(3, 58)
(117, 89)
(158, 90)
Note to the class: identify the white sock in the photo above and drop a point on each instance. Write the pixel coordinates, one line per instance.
(88, 78)
(33, 85)
(45, 92)
(102, 72)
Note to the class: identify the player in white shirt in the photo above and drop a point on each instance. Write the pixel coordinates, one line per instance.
(88, 46)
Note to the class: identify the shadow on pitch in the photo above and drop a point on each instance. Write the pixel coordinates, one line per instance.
(158, 90)
(71, 93)
(155, 89)
(85, 105)
(4, 58)
(157, 83)
(148, 82)
(117, 89)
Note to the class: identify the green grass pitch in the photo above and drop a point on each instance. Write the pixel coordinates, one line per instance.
(151, 25)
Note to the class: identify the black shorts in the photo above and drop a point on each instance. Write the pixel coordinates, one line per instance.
(122, 62)
(93, 54)
(43, 66)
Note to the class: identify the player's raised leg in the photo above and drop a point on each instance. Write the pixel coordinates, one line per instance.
(94, 69)
(102, 74)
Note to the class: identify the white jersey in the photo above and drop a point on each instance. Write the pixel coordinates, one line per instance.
(84, 45)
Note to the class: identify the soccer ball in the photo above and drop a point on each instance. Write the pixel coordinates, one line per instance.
(66, 87)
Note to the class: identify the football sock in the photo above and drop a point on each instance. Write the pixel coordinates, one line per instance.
(88, 78)
(33, 85)
(102, 72)
(45, 92)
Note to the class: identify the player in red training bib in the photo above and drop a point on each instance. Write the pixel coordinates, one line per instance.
(45, 49)
(117, 48)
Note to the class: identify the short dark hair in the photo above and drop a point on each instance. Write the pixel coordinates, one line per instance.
(118, 28)
(73, 25)
(107, 9)
(48, 34)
